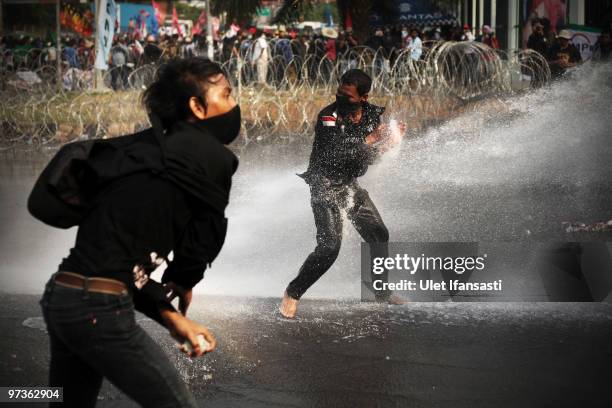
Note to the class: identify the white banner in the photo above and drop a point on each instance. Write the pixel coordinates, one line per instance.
(107, 16)
(584, 38)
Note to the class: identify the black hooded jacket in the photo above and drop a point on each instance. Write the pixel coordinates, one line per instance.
(138, 194)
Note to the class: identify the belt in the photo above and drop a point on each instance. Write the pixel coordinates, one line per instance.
(92, 284)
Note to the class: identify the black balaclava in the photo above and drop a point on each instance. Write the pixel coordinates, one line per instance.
(225, 127)
(344, 106)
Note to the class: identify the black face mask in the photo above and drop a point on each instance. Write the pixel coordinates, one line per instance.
(344, 106)
(225, 127)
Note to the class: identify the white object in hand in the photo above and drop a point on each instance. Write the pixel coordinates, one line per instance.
(395, 132)
(203, 344)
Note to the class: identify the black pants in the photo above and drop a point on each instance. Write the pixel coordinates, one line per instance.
(327, 201)
(95, 335)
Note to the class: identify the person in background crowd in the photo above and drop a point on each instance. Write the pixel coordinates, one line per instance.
(489, 38)
(405, 36)
(537, 41)
(282, 48)
(22, 47)
(300, 47)
(603, 47)
(467, 33)
(229, 43)
(389, 44)
(456, 34)
(171, 46)
(350, 38)
(563, 54)
(188, 48)
(245, 48)
(151, 52)
(331, 37)
(119, 58)
(201, 44)
(300, 51)
(50, 54)
(416, 45)
(261, 57)
(550, 35)
(376, 41)
(478, 35)
(341, 45)
(380, 46)
(135, 52)
(70, 54)
(437, 34)
(88, 55)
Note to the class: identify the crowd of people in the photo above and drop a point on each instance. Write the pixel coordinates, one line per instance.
(262, 51)
(253, 47)
(558, 50)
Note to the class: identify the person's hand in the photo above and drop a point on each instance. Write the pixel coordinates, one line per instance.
(390, 134)
(400, 129)
(377, 135)
(173, 290)
(182, 328)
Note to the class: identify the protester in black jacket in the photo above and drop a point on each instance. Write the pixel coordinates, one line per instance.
(348, 138)
(141, 197)
(537, 40)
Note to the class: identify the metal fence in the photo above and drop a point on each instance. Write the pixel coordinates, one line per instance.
(35, 112)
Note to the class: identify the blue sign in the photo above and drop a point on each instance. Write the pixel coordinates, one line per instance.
(140, 16)
(133, 16)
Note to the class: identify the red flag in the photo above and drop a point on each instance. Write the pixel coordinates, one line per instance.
(197, 29)
(175, 22)
(160, 15)
(348, 21)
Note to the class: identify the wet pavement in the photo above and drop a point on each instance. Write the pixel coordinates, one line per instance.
(350, 354)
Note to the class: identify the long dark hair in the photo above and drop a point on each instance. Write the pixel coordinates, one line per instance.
(175, 83)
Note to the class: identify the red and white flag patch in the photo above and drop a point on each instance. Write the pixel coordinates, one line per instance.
(328, 120)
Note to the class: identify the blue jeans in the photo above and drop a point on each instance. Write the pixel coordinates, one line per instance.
(95, 335)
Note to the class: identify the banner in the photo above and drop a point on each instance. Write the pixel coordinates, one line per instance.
(584, 38)
(77, 19)
(106, 29)
(411, 12)
(139, 19)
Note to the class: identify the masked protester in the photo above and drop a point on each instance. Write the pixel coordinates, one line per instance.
(348, 137)
(144, 195)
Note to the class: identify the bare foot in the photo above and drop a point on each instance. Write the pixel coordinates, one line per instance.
(288, 306)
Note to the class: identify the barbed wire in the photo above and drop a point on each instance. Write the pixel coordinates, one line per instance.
(35, 112)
